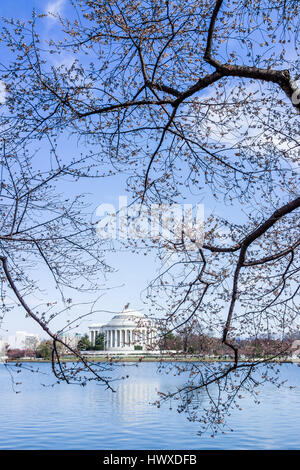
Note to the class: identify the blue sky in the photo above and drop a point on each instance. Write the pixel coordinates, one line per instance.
(133, 272)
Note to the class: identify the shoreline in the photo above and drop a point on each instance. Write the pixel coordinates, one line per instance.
(141, 359)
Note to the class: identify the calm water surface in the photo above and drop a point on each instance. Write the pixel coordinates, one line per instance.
(73, 417)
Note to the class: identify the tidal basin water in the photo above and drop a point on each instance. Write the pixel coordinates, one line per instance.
(74, 417)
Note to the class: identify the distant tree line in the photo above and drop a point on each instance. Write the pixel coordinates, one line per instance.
(44, 349)
(208, 345)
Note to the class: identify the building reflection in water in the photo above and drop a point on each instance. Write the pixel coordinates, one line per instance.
(133, 395)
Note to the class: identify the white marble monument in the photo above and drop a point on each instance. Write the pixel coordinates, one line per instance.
(127, 331)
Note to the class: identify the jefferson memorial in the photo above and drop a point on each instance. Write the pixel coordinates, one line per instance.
(127, 331)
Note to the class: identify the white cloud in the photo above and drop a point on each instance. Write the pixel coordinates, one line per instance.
(65, 61)
(55, 7)
(243, 129)
(2, 92)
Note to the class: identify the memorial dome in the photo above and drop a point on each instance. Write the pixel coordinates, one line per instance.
(128, 318)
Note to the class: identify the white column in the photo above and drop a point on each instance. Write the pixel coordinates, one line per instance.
(128, 338)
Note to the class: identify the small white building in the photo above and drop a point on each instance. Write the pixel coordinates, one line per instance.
(127, 331)
(23, 340)
(71, 339)
(2, 349)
